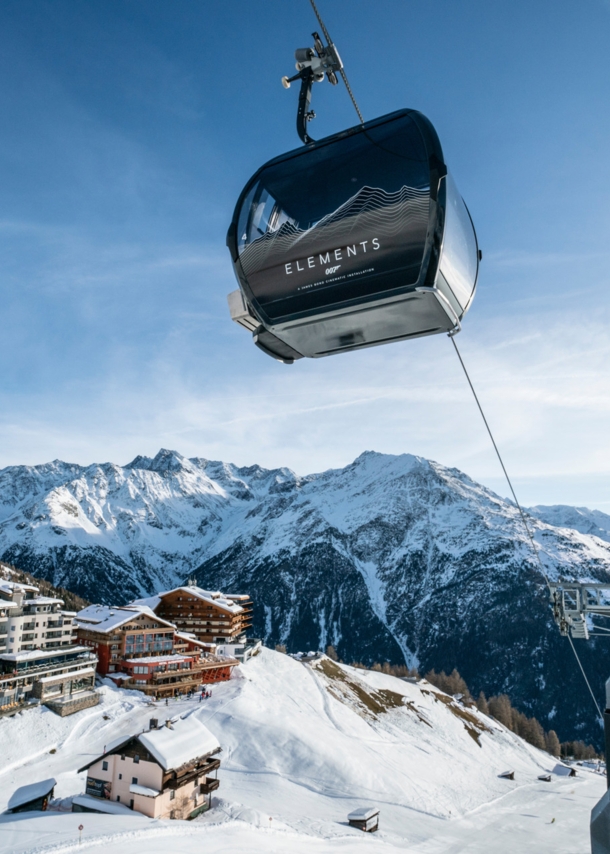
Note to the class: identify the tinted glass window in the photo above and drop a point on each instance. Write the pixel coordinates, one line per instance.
(459, 259)
(347, 219)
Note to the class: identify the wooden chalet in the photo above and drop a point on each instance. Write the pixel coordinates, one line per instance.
(213, 617)
(162, 773)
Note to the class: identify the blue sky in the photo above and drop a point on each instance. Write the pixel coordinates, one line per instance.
(129, 128)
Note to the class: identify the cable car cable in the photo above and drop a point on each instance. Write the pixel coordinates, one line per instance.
(522, 514)
(599, 711)
(341, 70)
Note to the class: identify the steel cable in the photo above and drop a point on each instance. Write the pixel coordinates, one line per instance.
(342, 71)
(524, 520)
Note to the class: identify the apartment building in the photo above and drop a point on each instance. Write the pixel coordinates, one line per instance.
(33, 621)
(40, 660)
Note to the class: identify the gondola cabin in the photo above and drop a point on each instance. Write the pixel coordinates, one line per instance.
(358, 239)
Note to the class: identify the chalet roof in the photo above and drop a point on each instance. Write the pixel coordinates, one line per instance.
(213, 597)
(103, 618)
(184, 741)
(32, 792)
(187, 739)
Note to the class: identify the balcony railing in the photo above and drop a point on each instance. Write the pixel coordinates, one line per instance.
(28, 627)
(209, 786)
(183, 779)
(27, 638)
(56, 624)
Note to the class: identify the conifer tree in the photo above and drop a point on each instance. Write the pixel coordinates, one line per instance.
(552, 745)
(482, 704)
(500, 707)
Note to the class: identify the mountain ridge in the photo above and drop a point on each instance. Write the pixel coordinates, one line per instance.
(393, 558)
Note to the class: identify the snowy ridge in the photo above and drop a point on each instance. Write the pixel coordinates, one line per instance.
(392, 558)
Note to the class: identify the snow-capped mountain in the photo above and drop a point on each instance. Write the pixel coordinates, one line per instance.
(390, 558)
(581, 519)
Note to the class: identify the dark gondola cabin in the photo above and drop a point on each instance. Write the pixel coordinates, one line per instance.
(358, 239)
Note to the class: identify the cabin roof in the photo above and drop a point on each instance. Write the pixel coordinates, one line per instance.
(31, 792)
(170, 746)
(103, 618)
(185, 740)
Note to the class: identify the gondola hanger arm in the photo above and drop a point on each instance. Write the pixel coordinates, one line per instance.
(313, 64)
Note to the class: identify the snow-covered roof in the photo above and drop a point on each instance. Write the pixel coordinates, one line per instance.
(31, 792)
(136, 789)
(213, 597)
(156, 659)
(103, 618)
(102, 805)
(43, 600)
(194, 639)
(187, 739)
(563, 770)
(5, 604)
(363, 813)
(149, 602)
(34, 654)
(9, 586)
(71, 674)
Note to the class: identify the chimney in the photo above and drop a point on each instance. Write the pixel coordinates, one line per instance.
(154, 723)
(168, 723)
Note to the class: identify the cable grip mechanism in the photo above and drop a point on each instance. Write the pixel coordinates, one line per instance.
(312, 64)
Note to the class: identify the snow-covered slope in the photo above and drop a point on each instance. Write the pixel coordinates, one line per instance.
(592, 522)
(390, 558)
(303, 745)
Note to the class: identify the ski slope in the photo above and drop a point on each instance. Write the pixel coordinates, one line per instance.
(303, 745)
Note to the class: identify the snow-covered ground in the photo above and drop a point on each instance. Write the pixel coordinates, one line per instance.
(303, 745)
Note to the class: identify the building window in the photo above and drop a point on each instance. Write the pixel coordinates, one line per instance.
(118, 797)
(196, 783)
(131, 804)
(172, 794)
(120, 776)
(134, 781)
(104, 766)
(172, 814)
(136, 758)
(123, 756)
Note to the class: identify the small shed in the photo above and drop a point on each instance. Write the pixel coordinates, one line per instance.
(364, 818)
(564, 770)
(35, 796)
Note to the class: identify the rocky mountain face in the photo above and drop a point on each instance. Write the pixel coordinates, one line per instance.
(391, 558)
